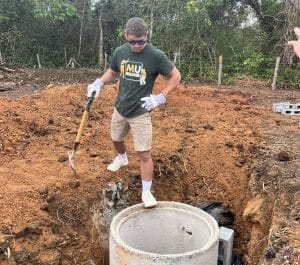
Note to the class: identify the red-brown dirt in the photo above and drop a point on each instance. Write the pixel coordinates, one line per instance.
(209, 144)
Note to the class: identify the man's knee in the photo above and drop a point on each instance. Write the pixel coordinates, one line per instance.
(145, 156)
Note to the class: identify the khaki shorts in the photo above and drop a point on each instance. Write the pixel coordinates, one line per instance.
(141, 128)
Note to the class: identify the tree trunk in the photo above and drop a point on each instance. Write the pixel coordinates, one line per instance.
(152, 7)
(151, 25)
(81, 28)
(101, 44)
(267, 23)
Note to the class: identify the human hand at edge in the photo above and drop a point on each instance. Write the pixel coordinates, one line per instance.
(296, 43)
(95, 86)
(153, 101)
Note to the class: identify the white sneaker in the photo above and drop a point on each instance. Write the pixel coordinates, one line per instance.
(118, 163)
(148, 199)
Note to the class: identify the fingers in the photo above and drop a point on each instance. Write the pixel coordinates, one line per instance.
(148, 104)
(297, 32)
(144, 98)
(146, 107)
(292, 42)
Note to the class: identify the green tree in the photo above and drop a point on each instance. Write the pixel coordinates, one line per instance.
(54, 10)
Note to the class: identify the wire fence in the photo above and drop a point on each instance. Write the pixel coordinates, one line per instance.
(280, 75)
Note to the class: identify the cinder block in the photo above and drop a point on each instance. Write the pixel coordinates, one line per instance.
(291, 111)
(287, 108)
(225, 246)
(296, 106)
(278, 107)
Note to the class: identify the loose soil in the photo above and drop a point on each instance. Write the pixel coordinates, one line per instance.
(209, 144)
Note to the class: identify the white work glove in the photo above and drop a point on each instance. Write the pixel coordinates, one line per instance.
(95, 86)
(153, 101)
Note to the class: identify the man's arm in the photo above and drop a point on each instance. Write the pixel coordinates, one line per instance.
(153, 101)
(109, 76)
(173, 81)
(97, 85)
(296, 43)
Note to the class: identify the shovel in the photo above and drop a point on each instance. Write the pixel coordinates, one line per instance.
(80, 131)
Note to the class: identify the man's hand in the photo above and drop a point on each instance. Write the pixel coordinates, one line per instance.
(296, 43)
(95, 86)
(153, 101)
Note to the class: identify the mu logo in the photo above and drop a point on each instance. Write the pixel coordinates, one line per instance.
(133, 71)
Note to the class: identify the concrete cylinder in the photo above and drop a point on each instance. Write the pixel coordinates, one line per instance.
(171, 233)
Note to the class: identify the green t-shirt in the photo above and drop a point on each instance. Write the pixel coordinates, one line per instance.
(138, 72)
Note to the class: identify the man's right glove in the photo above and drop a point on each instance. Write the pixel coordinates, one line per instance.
(95, 86)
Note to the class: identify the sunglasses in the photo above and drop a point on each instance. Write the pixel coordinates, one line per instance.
(139, 42)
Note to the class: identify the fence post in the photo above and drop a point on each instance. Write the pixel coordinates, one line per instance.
(105, 61)
(175, 57)
(220, 70)
(66, 59)
(275, 73)
(38, 61)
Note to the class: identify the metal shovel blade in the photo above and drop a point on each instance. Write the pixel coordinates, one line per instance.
(71, 160)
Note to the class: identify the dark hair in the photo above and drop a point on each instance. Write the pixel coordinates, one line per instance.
(136, 26)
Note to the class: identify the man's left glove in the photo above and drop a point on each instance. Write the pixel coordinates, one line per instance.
(95, 86)
(153, 101)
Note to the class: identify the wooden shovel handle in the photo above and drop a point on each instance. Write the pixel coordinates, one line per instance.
(82, 125)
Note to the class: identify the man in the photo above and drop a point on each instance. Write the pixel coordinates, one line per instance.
(137, 64)
(296, 43)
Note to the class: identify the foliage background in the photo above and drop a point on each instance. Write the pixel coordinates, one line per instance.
(249, 34)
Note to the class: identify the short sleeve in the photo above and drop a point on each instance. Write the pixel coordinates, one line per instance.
(165, 66)
(114, 62)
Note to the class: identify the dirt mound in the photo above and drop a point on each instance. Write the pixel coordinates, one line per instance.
(209, 145)
(23, 82)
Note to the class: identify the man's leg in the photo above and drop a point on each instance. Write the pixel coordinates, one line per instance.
(119, 147)
(141, 128)
(146, 165)
(119, 130)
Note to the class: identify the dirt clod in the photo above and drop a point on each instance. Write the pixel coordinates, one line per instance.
(283, 156)
(63, 158)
